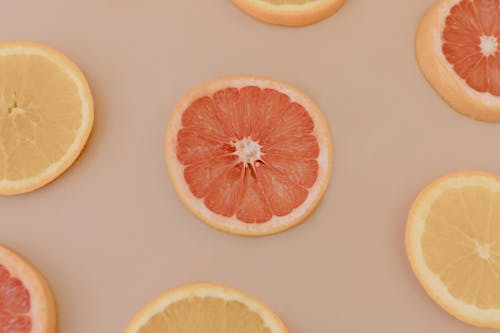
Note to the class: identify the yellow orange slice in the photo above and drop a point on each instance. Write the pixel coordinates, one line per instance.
(457, 49)
(26, 302)
(248, 155)
(453, 244)
(290, 12)
(46, 115)
(206, 308)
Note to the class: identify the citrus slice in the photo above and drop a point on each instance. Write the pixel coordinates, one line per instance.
(248, 155)
(290, 12)
(46, 114)
(26, 302)
(453, 244)
(457, 48)
(206, 308)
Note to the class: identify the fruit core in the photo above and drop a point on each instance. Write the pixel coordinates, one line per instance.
(248, 151)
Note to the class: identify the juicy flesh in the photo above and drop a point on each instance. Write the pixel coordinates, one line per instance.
(248, 152)
(461, 244)
(14, 304)
(470, 43)
(206, 315)
(39, 115)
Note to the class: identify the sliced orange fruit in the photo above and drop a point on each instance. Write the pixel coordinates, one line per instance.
(248, 155)
(453, 244)
(26, 302)
(457, 48)
(206, 308)
(46, 115)
(290, 12)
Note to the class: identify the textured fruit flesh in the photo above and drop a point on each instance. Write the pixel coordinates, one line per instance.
(248, 152)
(470, 43)
(206, 315)
(461, 244)
(14, 304)
(39, 115)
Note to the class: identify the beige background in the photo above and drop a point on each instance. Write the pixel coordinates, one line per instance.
(111, 234)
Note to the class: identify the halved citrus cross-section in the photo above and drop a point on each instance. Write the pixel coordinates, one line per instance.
(26, 302)
(457, 48)
(248, 155)
(46, 114)
(453, 244)
(206, 308)
(290, 12)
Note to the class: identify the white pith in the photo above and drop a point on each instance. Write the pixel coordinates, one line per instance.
(248, 151)
(489, 45)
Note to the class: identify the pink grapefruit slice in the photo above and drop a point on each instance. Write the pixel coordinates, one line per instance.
(249, 155)
(26, 302)
(457, 48)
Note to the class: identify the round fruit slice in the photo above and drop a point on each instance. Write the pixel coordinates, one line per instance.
(26, 302)
(46, 114)
(248, 155)
(457, 50)
(290, 12)
(206, 308)
(453, 244)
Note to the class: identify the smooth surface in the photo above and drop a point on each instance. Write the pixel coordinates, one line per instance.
(111, 234)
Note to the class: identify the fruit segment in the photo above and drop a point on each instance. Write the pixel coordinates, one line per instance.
(14, 304)
(248, 152)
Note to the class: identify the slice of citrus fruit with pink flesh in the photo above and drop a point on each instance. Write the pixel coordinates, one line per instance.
(26, 302)
(249, 155)
(46, 115)
(290, 12)
(457, 48)
(453, 244)
(206, 308)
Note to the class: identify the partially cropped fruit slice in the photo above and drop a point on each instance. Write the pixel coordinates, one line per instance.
(290, 12)
(453, 244)
(26, 302)
(46, 114)
(206, 308)
(457, 48)
(248, 155)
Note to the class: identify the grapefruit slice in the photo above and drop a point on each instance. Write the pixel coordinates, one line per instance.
(290, 12)
(248, 155)
(206, 308)
(453, 244)
(46, 114)
(457, 50)
(26, 302)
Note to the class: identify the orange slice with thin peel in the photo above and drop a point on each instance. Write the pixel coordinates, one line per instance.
(457, 49)
(248, 155)
(290, 12)
(453, 244)
(26, 302)
(46, 115)
(206, 308)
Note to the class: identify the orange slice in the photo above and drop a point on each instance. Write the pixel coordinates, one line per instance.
(290, 12)
(457, 50)
(206, 308)
(453, 244)
(26, 302)
(46, 114)
(248, 155)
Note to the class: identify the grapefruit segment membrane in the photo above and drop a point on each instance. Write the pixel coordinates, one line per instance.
(250, 150)
(457, 48)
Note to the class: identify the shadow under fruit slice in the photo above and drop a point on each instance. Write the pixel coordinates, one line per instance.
(457, 49)
(46, 115)
(453, 244)
(206, 308)
(26, 302)
(290, 12)
(248, 155)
